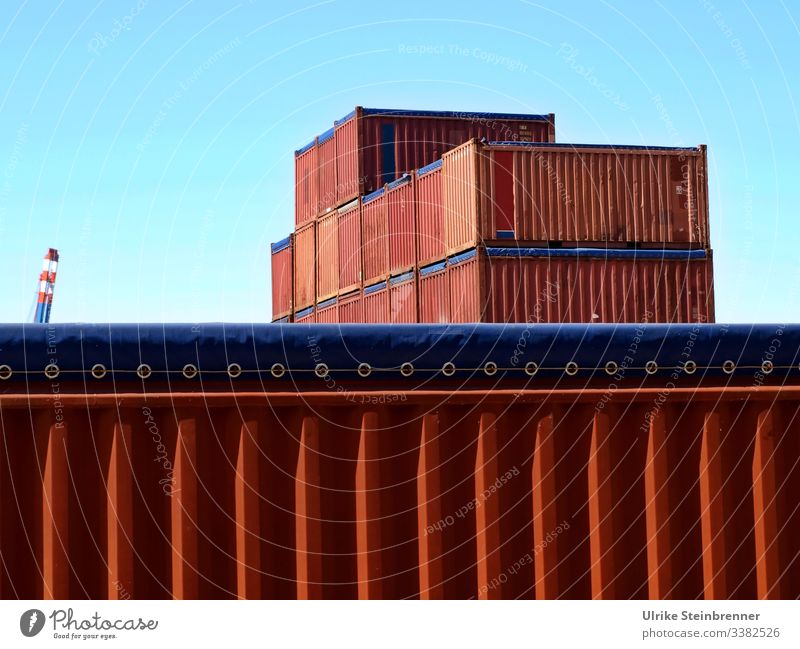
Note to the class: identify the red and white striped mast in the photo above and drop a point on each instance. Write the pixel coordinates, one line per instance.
(47, 282)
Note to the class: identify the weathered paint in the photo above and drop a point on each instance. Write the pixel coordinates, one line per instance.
(282, 280)
(306, 184)
(305, 266)
(350, 263)
(430, 215)
(401, 224)
(327, 259)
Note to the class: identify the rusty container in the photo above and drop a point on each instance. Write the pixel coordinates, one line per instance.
(579, 285)
(403, 298)
(375, 299)
(375, 236)
(326, 156)
(282, 281)
(305, 286)
(232, 461)
(350, 264)
(306, 183)
(327, 311)
(430, 214)
(434, 293)
(327, 261)
(590, 194)
(401, 224)
(351, 307)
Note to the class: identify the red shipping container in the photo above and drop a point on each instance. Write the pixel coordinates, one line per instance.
(434, 293)
(403, 298)
(350, 274)
(351, 307)
(306, 187)
(305, 287)
(327, 311)
(327, 256)
(581, 193)
(375, 236)
(580, 285)
(401, 218)
(282, 281)
(305, 315)
(376, 303)
(430, 214)
(326, 151)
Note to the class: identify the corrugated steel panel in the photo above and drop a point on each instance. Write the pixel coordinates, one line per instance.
(401, 220)
(327, 256)
(430, 215)
(348, 159)
(375, 236)
(536, 481)
(376, 302)
(326, 152)
(403, 298)
(305, 286)
(306, 315)
(327, 311)
(306, 188)
(351, 307)
(582, 193)
(350, 264)
(581, 285)
(434, 293)
(282, 281)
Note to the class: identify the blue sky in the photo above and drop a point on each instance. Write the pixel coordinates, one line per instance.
(152, 142)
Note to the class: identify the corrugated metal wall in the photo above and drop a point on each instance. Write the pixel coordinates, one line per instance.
(430, 219)
(350, 265)
(401, 223)
(375, 236)
(326, 152)
(305, 290)
(306, 188)
(282, 265)
(327, 260)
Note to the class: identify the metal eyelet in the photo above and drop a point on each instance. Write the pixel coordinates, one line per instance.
(571, 368)
(611, 368)
(144, 371)
(406, 369)
(321, 370)
(767, 367)
(5, 372)
(448, 369)
(234, 370)
(189, 371)
(51, 371)
(490, 369)
(690, 367)
(728, 367)
(277, 370)
(651, 367)
(531, 368)
(98, 371)
(364, 370)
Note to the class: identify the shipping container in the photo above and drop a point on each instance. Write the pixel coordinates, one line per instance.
(575, 192)
(375, 299)
(305, 315)
(327, 261)
(403, 298)
(434, 293)
(404, 461)
(282, 280)
(579, 285)
(430, 214)
(306, 183)
(401, 224)
(350, 274)
(327, 311)
(371, 147)
(305, 265)
(351, 307)
(375, 236)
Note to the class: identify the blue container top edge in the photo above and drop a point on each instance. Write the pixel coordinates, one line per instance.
(433, 166)
(371, 197)
(281, 245)
(461, 257)
(374, 288)
(454, 114)
(399, 279)
(400, 181)
(432, 268)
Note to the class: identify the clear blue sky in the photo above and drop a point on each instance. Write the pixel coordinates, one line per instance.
(158, 157)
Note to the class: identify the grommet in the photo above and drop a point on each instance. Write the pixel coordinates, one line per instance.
(406, 369)
(98, 371)
(51, 371)
(767, 367)
(690, 367)
(321, 370)
(143, 371)
(234, 370)
(611, 368)
(571, 369)
(728, 367)
(531, 368)
(277, 370)
(189, 371)
(5, 372)
(364, 369)
(448, 369)
(651, 367)
(490, 369)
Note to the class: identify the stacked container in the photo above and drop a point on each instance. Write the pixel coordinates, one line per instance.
(421, 216)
